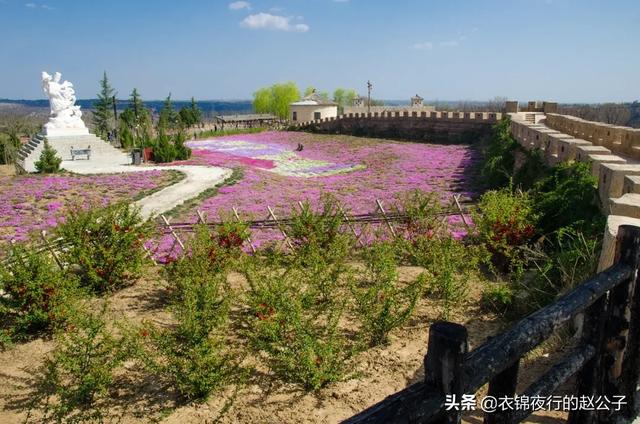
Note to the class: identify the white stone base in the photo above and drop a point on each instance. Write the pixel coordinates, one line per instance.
(64, 132)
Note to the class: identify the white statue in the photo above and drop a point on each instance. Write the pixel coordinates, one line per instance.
(65, 116)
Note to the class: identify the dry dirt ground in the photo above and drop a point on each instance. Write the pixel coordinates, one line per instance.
(378, 372)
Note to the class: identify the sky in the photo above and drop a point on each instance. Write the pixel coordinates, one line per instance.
(556, 50)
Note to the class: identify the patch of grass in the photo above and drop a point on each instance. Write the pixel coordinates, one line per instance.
(190, 204)
(220, 133)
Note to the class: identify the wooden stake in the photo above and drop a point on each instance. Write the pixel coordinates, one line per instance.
(286, 237)
(201, 217)
(464, 220)
(173, 233)
(235, 213)
(393, 231)
(348, 221)
(43, 235)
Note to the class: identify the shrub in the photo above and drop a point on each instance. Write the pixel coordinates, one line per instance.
(568, 197)
(194, 356)
(164, 150)
(499, 155)
(497, 298)
(36, 294)
(450, 265)
(529, 169)
(320, 247)
(182, 151)
(382, 302)
(504, 223)
(106, 245)
(301, 344)
(49, 161)
(75, 381)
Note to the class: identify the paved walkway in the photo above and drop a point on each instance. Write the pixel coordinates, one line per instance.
(198, 179)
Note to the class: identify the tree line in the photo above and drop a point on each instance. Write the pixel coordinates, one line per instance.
(134, 127)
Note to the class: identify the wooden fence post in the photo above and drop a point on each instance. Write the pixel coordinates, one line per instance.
(622, 343)
(606, 327)
(502, 385)
(444, 363)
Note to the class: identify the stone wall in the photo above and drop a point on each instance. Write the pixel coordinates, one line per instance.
(437, 127)
(620, 140)
(610, 155)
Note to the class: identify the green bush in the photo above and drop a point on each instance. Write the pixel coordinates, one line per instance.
(195, 356)
(382, 302)
(75, 381)
(504, 223)
(164, 150)
(106, 245)
(49, 161)
(36, 294)
(301, 344)
(450, 264)
(182, 151)
(497, 298)
(321, 248)
(499, 155)
(568, 196)
(530, 169)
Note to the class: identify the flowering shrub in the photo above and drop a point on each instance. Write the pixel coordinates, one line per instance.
(382, 302)
(106, 245)
(504, 223)
(36, 294)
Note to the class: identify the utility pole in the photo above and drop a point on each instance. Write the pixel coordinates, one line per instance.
(115, 115)
(369, 87)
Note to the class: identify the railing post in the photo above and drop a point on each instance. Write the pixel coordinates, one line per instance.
(444, 362)
(502, 385)
(607, 327)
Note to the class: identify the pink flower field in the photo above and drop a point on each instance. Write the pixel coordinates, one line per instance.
(367, 169)
(34, 202)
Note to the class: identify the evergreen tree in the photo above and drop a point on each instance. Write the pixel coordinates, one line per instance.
(103, 108)
(196, 112)
(182, 151)
(135, 122)
(164, 150)
(168, 116)
(49, 161)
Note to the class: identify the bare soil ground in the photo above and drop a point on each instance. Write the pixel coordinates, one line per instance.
(377, 373)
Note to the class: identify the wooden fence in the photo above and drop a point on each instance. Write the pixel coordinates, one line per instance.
(607, 358)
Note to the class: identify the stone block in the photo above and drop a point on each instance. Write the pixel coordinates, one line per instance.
(611, 180)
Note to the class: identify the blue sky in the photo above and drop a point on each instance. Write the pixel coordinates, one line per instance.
(563, 50)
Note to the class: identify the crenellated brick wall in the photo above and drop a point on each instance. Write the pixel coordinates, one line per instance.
(416, 125)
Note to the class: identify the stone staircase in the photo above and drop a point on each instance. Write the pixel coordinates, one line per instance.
(100, 149)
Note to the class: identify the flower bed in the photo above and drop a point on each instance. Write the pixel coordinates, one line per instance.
(368, 170)
(356, 171)
(34, 202)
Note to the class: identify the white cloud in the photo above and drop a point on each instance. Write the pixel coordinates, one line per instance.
(30, 5)
(272, 22)
(239, 5)
(427, 45)
(34, 6)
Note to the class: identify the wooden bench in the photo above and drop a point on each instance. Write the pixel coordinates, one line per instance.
(78, 152)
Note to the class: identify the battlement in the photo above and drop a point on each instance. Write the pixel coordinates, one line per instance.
(409, 124)
(408, 113)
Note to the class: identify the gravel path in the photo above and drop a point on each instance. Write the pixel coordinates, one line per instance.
(198, 179)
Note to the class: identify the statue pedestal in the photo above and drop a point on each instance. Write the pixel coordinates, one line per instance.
(61, 132)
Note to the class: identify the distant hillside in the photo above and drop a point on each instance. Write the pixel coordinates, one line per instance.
(209, 107)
